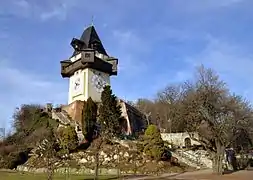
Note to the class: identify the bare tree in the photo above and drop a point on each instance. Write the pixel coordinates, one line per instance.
(147, 108)
(50, 151)
(209, 109)
(98, 144)
(168, 104)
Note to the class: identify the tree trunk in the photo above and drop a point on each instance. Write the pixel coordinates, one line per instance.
(97, 165)
(118, 170)
(49, 175)
(217, 159)
(49, 170)
(97, 158)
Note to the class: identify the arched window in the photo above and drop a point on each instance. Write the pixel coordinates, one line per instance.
(187, 142)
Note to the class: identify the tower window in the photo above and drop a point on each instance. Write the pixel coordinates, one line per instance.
(87, 55)
(78, 128)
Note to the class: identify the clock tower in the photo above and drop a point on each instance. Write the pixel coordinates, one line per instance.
(89, 68)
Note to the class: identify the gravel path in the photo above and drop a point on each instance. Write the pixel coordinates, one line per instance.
(200, 175)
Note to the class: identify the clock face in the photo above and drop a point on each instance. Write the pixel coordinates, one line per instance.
(77, 85)
(98, 82)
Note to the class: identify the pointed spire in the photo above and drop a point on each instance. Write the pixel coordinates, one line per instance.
(92, 20)
(92, 40)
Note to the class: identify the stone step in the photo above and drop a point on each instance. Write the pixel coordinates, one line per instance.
(190, 159)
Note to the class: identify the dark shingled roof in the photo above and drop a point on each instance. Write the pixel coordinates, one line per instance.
(90, 37)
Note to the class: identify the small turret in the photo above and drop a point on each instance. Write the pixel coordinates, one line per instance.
(48, 107)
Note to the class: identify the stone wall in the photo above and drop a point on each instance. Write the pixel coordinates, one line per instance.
(198, 158)
(134, 124)
(178, 139)
(71, 170)
(74, 110)
(111, 158)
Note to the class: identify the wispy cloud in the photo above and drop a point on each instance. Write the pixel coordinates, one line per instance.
(35, 87)
(128, 41)
(43, 10)
(231, 61)
(156, 43)
(196, 6)
(59, 9)
(131, 41)
(22, 4)
(23, 87)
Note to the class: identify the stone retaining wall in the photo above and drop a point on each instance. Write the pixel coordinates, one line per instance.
(111, 158)
(63, 170)
(178, 139)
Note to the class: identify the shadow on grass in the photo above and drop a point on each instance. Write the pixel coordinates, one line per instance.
(230, 171)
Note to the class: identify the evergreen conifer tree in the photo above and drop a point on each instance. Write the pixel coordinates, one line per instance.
(89, 119)
(110, 113)
(153, 143)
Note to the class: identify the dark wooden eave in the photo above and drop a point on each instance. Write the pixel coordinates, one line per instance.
(89, 53)
(68, 68)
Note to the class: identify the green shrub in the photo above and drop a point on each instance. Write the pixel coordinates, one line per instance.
(68, 138)
(153, 143)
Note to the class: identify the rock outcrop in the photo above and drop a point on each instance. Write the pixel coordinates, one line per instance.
(111, 158)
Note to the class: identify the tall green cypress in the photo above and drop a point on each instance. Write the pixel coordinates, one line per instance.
(89, 119)
(110, 113)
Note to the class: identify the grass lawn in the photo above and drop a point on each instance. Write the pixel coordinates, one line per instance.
(30, 176)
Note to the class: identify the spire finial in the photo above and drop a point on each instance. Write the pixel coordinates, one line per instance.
(92, 20)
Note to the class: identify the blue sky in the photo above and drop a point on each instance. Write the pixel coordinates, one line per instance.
(156, 44)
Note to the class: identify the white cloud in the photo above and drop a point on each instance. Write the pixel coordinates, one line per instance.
(29, 85)
(231, 61)
(44, 10)
(59, 10)
(131, 41)
(58, 13)
(23, 87)
(22, 4)
(199, 6)
(129, 47)
(227, 58)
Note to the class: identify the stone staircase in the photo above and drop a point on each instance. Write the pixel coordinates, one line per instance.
(197, 159)
(64, 119)
(62, 116)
